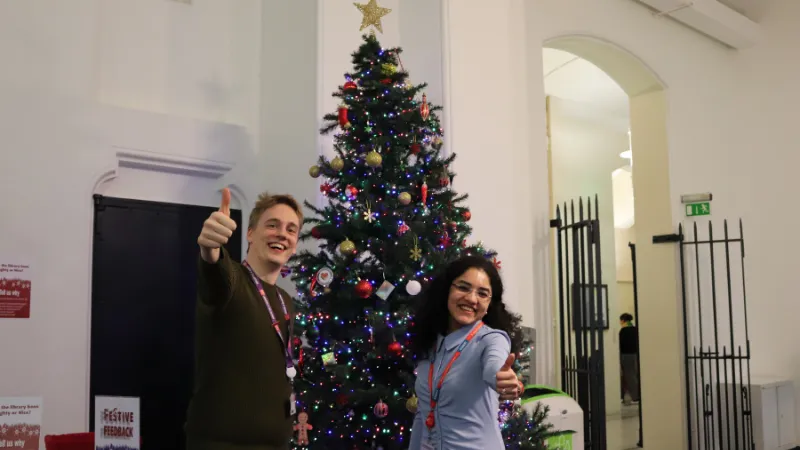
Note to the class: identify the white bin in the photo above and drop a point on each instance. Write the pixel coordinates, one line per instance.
(565, 415)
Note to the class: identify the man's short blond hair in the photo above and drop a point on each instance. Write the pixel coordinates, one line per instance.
(266, 201)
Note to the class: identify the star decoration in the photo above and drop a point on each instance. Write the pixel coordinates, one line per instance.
(369, 216)
(372, 14)
(416, 253)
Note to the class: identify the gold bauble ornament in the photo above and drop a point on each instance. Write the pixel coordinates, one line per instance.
(412, 404)
(313, 171)
(374, 159)
(337, 164)
(388, 69)
(404, 198)
(347, 246)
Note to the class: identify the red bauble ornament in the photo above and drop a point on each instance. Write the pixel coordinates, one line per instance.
(444, 181)
(350, 85)
(315, 233)
(466, 215)
(344, 122)
(395, 348)
(364, 289)
(415, 148)
(381, 409)
(453, 226)
(351, 192)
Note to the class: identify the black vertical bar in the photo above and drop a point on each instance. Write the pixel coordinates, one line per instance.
(697, 398)
(743, 397)
(725, 386)
(589, 290)
(632, 246)
(561, 299)
(569, 220)
(750, 442)
(747, 411)
(707, 403)
(716, 332)
(733, 345)
(601, 401)
(685, 340)
(708, 422)
(580, 336)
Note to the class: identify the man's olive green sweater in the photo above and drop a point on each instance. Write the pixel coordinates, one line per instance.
(241, 394)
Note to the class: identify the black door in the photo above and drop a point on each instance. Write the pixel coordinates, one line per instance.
(143, 309)
(583, 314)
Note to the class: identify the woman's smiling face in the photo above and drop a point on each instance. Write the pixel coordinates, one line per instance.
(469, 298)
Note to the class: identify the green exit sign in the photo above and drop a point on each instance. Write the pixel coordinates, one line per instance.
(698, 209)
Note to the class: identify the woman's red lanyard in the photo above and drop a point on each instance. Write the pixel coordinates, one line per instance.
(286, 343)
(430, 422)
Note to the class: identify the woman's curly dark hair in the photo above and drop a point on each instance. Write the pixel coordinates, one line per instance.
(432, 316)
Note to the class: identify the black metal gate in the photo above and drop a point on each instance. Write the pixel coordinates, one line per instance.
(716, 338)
(632, 246)
(583, 314)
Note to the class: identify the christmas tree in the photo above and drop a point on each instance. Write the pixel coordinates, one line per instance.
(391, 220)
(522, 431)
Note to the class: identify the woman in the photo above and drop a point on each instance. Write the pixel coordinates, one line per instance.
(462, 336)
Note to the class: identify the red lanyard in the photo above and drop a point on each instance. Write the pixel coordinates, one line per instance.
(430, 422)
(285, 342)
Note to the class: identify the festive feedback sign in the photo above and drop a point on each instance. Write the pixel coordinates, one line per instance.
(20, 422)
(15, 291)
(116, 423)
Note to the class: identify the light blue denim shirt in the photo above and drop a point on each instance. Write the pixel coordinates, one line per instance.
(466, 413)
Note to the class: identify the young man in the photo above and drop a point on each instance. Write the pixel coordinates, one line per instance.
(243, 370)
(244, 321)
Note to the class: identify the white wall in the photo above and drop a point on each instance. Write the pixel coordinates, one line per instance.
(730, 130)
(584, 153)
(85, 80)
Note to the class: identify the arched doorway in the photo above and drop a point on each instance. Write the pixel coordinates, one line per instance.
(660, 338)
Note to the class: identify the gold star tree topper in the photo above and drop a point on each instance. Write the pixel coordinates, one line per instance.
(372, 14)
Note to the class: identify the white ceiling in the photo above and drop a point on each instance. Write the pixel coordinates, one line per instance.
(752, 9)
(572, 78)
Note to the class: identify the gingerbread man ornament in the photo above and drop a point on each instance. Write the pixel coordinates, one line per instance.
(302, 427)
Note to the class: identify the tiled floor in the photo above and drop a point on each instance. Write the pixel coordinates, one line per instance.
(623, 429)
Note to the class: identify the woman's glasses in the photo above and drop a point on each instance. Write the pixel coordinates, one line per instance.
(466, 288)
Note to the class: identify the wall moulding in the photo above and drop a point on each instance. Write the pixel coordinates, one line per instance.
(159, 162)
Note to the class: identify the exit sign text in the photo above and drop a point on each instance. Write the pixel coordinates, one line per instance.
(698, 209)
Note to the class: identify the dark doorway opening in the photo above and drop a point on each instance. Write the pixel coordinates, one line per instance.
(144, 274)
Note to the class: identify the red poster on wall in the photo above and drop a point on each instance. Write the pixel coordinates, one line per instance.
(15, 291)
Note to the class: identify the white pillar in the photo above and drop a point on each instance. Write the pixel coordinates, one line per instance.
(490, 118)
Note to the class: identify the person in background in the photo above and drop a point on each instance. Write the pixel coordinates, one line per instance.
(243, 364)
(465, 341)
(629, 355)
